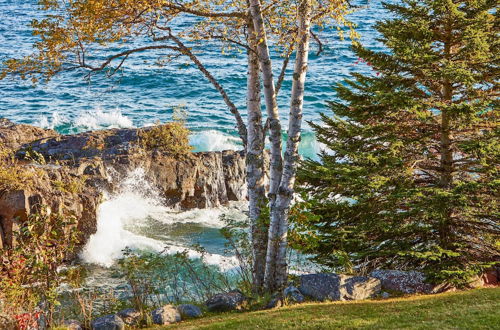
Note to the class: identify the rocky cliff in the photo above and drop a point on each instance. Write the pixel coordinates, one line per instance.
(68, 173)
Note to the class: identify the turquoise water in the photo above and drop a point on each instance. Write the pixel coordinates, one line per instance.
(145, 93)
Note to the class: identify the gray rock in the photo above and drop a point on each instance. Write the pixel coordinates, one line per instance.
(188, 311)
(359, 287)
(385, 295)
(293, 294)
(320, 287)
(165, 315)
(130, 316)
(331, 286)
(402, 281)
(108, 322)
(224, 302)
(72, 325)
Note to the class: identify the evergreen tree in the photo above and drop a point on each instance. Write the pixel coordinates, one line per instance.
(411, 180)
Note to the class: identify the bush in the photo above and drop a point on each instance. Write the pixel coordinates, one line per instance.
(29, 275)
(171, 138)
(12, 176)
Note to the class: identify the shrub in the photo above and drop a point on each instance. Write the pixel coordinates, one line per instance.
(29, 275)
(171, 138)
(12, 176)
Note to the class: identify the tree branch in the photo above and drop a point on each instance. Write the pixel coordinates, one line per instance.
(242, 129)
(203, 13)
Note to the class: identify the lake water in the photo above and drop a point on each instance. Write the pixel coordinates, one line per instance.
(145, 93)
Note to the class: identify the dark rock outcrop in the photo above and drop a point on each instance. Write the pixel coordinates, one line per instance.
(329, 286)
(69, 173)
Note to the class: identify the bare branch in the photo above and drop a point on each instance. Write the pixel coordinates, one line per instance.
(126, 54)
(242, 129)
(318, 41)
(281, 77)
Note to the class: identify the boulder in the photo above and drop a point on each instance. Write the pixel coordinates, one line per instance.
(165, 315)
(72, 325)
(108, 322)
(224, 302)
(359, 287)
(320, 287)
(130, 316)
(402, 281)
(293, 294)
(329, 286)
(188, 311)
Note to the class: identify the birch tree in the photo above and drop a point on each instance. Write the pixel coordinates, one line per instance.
(76, 35)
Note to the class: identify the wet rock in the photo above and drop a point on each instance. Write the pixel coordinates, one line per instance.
(329, 286)
(130, 316)
(402, 281)
(293, 295)
(108, 322)
(224, 302)
(165, 315)
(188, 311)
(97, 161)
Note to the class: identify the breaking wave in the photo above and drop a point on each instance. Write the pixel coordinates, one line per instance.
(212, 140)
(132, 208)
(88, 120)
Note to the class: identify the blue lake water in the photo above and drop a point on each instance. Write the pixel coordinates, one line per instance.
(145, 93)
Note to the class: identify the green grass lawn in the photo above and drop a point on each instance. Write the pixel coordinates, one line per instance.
(474, 309)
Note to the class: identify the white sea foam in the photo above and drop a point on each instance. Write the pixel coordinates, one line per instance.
(212, 140)
(135, 202)
(52, 121)
(98, 119)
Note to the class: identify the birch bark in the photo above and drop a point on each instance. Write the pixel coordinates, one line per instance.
(270, 99)
(255, 164)
(276, 263)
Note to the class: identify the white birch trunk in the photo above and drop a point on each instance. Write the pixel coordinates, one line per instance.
(255, 164)
(270, 99)
(276, 265)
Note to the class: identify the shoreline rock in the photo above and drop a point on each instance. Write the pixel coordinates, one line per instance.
(71, 172)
